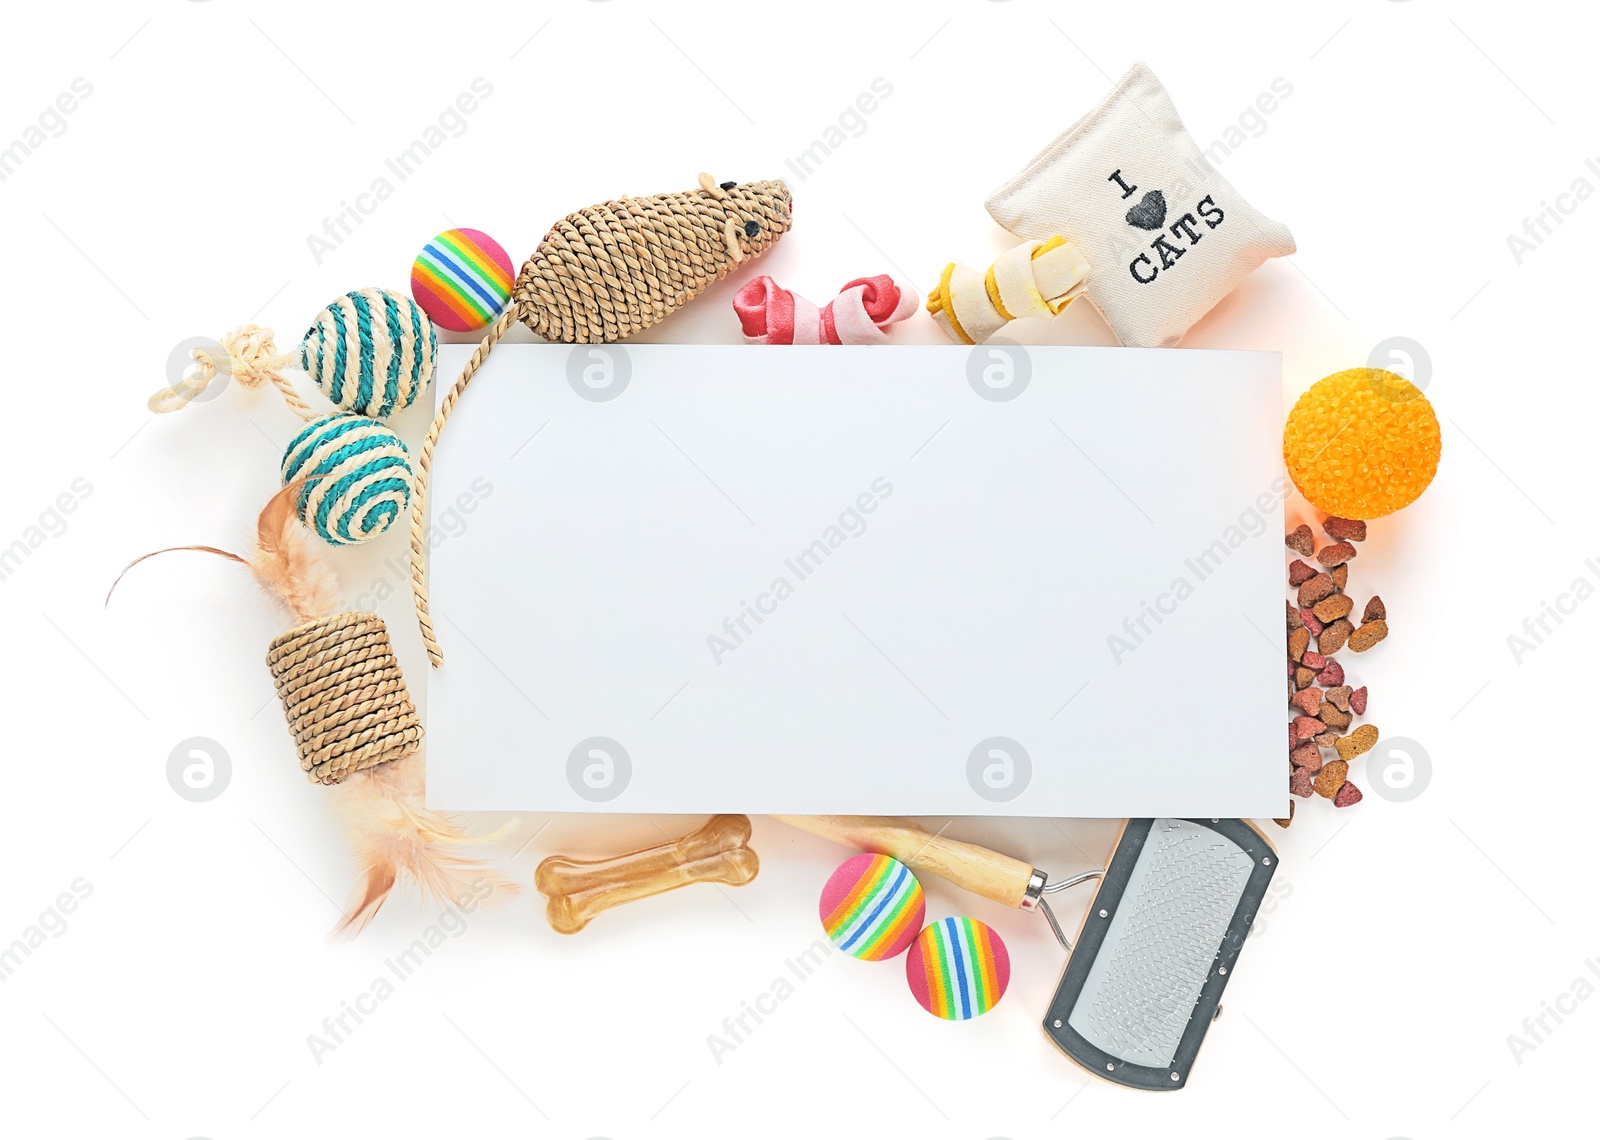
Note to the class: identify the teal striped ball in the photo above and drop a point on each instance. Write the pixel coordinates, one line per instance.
(371, 352)
(360, 477)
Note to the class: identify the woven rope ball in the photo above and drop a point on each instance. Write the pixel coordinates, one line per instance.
(371, 352)
(359, 477)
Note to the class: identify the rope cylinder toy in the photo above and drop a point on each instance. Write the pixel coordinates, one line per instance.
(371, 353)
(860, 314)
(1034, 279)
(345, 699)
(603, 273)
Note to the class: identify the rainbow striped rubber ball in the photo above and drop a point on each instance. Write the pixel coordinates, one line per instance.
(872, 906)
(462, 279)
(958, 968)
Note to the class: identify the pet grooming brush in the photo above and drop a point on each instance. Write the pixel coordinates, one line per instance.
(1157, 944)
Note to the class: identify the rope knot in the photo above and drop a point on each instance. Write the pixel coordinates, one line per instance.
(253, 357)
(249, 355)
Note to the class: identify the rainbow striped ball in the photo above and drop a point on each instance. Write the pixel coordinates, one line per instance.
(358, 477)
(462, 279)
(872, 906)
(958, 968)
(370, 352)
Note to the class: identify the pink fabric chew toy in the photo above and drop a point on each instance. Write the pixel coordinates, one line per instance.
(1034, 279)
(860, 314)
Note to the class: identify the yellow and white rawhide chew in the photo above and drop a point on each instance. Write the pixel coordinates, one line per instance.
(1034, 279)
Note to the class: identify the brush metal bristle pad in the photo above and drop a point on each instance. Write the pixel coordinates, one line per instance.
(1157, 948)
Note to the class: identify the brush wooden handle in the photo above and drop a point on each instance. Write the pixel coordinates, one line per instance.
(578, 889)
(977, 869)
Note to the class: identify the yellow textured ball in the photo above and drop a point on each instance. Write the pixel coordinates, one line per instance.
(1362, 443)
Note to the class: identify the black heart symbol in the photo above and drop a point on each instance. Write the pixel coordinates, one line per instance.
(1150, 212)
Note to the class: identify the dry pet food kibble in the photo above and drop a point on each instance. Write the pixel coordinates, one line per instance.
(1333, 607)
(1334, 717)
(1331, 778)
(1344, 530)
(1337, 554)
(1333, 637)
(1307, 700)
(1314, 589)
(1359, 741)
(1304, 728)
(1320, 623)
(1306, 756)
(1367, 636)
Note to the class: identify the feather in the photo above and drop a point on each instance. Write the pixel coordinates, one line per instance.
(228, 554)
(396, 838)
(286, 562)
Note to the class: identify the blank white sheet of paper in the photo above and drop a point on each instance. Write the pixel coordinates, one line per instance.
(926, 580)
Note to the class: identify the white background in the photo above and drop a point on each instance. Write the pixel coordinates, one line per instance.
(1378, 995)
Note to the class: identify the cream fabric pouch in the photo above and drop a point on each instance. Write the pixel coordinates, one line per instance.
(1167, 235)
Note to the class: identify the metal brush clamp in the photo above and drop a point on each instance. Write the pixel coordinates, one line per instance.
(1039, 886)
